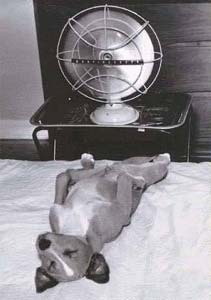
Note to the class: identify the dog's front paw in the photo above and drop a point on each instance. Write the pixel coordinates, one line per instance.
(138, 182)
(87, 161)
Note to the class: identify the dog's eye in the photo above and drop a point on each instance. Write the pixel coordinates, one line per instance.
(70, 253)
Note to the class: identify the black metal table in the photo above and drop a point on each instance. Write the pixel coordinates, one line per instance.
(163, 117)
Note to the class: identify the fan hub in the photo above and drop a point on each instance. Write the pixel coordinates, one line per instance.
(107, 56)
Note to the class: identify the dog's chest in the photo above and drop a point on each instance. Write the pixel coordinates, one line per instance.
(74, 217)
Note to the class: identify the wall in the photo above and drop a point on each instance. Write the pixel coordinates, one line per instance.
(21, 88)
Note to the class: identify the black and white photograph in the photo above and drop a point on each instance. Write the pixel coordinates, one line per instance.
(105, 150)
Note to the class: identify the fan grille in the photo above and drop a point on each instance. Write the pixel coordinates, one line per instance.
(107, 53)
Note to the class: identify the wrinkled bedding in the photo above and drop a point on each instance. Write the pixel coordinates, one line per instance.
(165, 253)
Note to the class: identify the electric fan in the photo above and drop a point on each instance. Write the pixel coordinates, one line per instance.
(112, 55)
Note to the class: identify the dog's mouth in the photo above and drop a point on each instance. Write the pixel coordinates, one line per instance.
(58, 267)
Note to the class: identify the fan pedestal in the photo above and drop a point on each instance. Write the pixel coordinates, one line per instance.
(114, 114)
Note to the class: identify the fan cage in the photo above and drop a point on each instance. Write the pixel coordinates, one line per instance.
(69, 56)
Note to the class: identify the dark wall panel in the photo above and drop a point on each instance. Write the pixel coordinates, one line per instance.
(179, 22)
(185, 33)
(186, 67)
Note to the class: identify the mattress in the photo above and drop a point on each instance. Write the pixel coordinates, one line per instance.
(165, 253)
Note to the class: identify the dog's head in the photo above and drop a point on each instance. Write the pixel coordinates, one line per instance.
(67, 258)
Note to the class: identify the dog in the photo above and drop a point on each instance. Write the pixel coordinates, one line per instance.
(91, 207)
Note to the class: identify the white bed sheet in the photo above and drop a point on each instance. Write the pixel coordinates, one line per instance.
(165, 254)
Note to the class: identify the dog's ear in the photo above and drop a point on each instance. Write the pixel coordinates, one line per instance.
(43, 280)
(98, 269)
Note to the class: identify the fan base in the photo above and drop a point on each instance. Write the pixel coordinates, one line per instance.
(114, 114)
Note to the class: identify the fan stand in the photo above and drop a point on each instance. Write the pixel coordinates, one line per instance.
(114, 114)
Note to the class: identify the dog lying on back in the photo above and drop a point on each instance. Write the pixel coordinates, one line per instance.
(91, 207)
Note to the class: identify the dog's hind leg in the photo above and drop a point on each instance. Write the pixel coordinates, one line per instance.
(155, 171)
(65, 179)
(136, 178)
(138, 160)
(127, 187)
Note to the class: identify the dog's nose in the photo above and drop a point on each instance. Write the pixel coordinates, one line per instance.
(44, 244)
